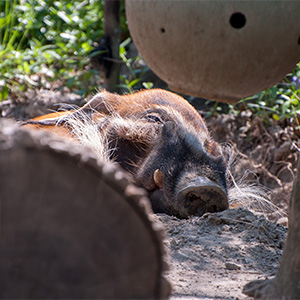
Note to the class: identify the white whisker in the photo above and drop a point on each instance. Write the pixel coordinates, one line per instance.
(249, 194)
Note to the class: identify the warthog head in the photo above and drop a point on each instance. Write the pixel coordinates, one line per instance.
(161, 140)
(182, 177)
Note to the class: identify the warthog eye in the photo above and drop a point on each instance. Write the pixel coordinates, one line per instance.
(154, 119)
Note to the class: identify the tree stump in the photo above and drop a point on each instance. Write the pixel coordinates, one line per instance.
(71, 226)
(286, 284)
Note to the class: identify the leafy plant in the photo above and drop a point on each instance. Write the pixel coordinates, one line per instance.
(280, 101)
(43, 42)
(132, 79)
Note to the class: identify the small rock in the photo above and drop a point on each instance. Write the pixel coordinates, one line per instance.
(226, 228)
(174, 244)
(232, 266)
(214, 219)
(283, 221)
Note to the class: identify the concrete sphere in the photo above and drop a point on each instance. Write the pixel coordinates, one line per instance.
(222, 50)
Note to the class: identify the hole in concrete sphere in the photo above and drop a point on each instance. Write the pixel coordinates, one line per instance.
(162, 30)
(237, 20)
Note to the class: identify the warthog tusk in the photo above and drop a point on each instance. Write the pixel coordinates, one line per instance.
(158, 178)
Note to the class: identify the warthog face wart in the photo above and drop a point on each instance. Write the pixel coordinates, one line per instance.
(160, 139)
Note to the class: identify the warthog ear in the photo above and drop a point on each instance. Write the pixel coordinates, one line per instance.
(49, 119)
(103, 102)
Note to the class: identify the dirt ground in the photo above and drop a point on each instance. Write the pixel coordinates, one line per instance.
(267, 152)
(214, 256)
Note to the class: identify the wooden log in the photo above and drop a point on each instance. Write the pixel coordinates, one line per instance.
(72, 227)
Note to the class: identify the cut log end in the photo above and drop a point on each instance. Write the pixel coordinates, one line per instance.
(67, 231)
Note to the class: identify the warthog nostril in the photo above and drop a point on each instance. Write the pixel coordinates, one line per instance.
(194, 198)
(200, 196)
(214, 208)
(191, 197)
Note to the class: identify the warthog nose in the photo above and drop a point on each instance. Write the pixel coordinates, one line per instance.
(200, 196)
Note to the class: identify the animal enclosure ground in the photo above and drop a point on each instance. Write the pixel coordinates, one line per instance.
(267, 152)
(216, 255)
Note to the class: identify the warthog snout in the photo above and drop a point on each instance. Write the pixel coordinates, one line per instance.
(200, 196)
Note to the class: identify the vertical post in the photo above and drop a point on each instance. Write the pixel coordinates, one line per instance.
(287, 282)
(112, 30)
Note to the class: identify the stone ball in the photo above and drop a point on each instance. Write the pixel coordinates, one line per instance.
(222, 50)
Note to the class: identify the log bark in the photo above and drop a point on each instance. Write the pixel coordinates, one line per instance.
(286, 284)
(72, 227)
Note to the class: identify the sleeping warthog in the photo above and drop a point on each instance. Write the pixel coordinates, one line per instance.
(160, 139)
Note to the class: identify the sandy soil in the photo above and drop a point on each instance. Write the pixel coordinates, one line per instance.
(214, 256)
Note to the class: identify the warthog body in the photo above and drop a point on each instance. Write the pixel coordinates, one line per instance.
(160, 139)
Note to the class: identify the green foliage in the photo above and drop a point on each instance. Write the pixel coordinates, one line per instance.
(50, 39)
(45, 43)
(132, 79)
(281, 101)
